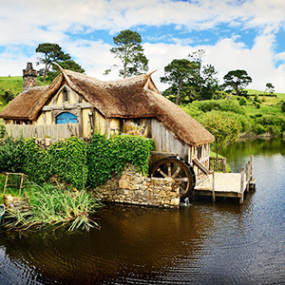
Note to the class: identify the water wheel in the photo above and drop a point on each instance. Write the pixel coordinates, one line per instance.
(178, 170)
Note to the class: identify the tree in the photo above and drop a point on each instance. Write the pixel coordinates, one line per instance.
(177, 73)
(210, 82)
(130, 52)
(269, 88)
(67, 64)
(51, 53)
(237, 79)
(197, 56)
(223, 127)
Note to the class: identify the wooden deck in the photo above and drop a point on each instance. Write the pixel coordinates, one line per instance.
(232, 185)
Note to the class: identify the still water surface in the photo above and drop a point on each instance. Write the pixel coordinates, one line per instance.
(206, 243)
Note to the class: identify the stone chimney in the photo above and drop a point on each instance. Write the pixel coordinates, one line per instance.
(29, 77)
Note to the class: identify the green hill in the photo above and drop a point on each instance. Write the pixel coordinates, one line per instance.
(14, 85)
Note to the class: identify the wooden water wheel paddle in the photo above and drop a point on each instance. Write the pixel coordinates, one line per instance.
(177, 169)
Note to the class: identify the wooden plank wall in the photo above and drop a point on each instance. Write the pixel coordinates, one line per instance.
(41, 131)
(166, 141)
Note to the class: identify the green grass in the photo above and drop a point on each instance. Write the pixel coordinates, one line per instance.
(14, 84)
(253, 92)
(53, 207)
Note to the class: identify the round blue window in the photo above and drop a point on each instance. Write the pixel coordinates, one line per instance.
(65, 118)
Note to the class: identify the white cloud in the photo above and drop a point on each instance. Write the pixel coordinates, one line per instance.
(25, 24)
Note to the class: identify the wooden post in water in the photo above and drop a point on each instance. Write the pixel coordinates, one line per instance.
(241, 186)
(213, 187)
(247, 176)
(251, 167)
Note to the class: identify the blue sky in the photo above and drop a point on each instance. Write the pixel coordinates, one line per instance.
(248, 34)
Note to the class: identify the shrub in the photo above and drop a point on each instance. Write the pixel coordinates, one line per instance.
(2, 131)
(225, 105)
(243, 102)
(283, 106)
(107, 156)
(258, 129)
(274, 130)
(35, 161)
(11, 155)
(66, 159)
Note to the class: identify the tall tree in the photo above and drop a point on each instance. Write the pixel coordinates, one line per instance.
(197, 57)
(177, 73)
(67, 64)
(210, 82)
(130, 52)
(51, 53)
(237, 79)
(269, 88)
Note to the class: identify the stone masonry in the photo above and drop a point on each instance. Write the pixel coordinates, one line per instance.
(136, 189)
(29, 77)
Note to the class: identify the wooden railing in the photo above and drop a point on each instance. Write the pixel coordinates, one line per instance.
(54, 132)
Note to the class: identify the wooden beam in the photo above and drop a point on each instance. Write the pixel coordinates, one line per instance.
(213, 188)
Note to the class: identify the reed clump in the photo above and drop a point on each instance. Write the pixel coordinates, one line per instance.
(52, 206)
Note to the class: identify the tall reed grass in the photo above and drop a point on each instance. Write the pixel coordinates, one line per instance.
(52, 206)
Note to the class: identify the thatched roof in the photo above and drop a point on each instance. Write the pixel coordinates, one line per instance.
(135, 97)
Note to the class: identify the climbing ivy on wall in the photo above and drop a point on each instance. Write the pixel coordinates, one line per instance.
(107, 156)
(67, 160)
(72, 161)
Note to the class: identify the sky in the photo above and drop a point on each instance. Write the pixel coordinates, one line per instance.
(235, 34)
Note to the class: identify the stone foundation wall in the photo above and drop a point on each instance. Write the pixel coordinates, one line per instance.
(133, 188)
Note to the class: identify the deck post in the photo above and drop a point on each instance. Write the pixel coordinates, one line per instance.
(251, 167)
(224, 163)
(247, 176)
(241, 186)
(213, 187)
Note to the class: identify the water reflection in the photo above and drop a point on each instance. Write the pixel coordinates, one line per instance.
(206, 243)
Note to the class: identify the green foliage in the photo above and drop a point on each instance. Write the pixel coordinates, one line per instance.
(177, 73)
(2, 131)
(225, 105)
(53, 53)
(67, 64)
(8, 96)
(11, 155)
(236, 80)
(52, 206)
(130, 52)
(269, 88)
(107, 156)
(283, 106)
(274, 124)
(64, 159)
(223, 126)
(34, 161)
(258, 129)
(243, 102)
(67, 161)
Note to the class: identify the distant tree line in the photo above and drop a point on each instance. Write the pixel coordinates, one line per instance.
(188, 78)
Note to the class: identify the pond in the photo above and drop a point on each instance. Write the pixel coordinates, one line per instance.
(206, 243)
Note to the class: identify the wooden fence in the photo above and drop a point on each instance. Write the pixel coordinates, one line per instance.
(54, 132)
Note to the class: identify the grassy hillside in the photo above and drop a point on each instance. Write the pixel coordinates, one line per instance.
(260, 94)
(13, 84)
